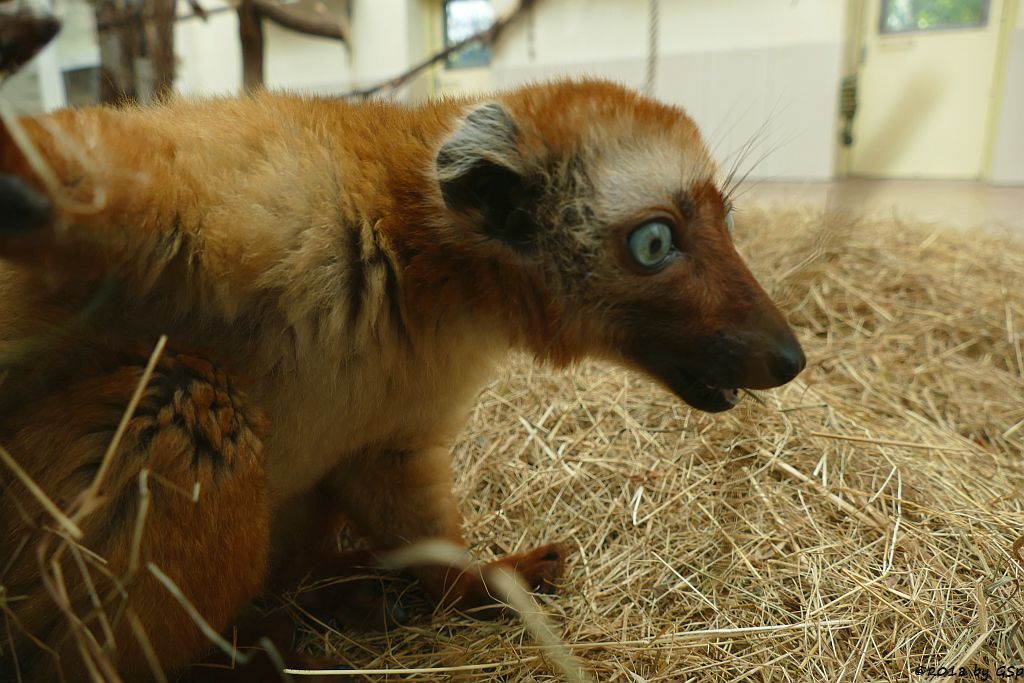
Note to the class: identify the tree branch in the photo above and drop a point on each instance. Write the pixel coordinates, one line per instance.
(308, 23)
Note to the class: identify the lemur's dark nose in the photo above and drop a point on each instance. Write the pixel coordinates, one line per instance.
(788, 360)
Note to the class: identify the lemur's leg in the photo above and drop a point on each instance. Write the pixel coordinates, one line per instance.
(183, 517)
(398, 498)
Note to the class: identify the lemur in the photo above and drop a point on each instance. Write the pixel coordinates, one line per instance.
(337, 281)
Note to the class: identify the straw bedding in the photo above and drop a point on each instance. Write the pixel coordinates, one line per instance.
(857, 525)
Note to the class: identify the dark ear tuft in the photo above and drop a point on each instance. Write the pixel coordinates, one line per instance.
(480, 171)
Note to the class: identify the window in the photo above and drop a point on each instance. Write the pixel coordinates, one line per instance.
(82, 86)
(902, 16)
(463, 18)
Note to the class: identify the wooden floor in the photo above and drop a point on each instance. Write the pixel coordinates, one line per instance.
(961, 204)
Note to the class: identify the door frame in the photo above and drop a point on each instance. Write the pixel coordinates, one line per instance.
(1008, 21)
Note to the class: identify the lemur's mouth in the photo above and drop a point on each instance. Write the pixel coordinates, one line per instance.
(706, 397)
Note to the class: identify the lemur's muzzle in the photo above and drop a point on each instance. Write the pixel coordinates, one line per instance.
(708, 371)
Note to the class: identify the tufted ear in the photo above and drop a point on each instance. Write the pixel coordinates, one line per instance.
(480, 170)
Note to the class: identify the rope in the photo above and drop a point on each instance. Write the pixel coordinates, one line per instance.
(652, 49)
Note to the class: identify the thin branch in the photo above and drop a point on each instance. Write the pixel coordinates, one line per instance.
(197, 10)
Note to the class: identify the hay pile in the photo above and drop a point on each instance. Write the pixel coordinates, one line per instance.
(857, 526)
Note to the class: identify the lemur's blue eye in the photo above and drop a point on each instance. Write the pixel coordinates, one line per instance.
(728, 220)
(650, 244)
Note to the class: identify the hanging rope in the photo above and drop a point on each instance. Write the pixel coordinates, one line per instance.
(652, 49)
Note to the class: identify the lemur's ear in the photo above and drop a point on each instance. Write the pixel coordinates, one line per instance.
(480, 169)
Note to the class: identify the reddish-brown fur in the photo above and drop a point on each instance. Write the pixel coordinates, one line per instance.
(350, 275)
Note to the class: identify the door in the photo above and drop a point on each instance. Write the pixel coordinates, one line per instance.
(925, 88)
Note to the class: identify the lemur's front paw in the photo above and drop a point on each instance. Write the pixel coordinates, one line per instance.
(540, 568)
(23, 208)
(476, 592)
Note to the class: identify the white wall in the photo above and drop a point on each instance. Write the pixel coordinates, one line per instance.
(761, 70)
(76, 42)
(297, 62)
(578, 31)
(209, 56)
(380, 40)
(1008, 155)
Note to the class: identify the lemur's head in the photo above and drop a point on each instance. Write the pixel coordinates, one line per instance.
(608, 202)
